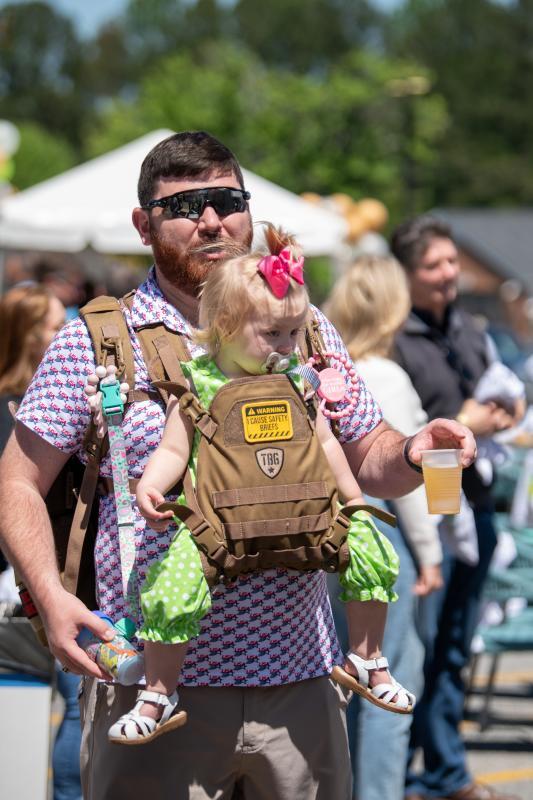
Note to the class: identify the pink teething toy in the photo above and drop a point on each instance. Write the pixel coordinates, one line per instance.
(333, 387)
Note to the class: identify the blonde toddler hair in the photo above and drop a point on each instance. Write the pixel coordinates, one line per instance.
(369, 304)
(235, 291)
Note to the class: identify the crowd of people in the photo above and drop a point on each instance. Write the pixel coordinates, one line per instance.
(265, 689)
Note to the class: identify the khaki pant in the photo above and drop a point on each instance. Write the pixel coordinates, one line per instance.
(275, 743)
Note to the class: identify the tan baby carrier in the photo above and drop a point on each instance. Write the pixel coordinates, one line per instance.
(265, 494)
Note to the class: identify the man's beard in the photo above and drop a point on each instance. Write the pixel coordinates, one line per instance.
(188, 270)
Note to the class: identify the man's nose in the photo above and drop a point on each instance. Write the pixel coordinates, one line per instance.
(209, 220)
(451, 269)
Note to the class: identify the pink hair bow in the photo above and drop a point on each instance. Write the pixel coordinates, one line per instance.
(278, 270)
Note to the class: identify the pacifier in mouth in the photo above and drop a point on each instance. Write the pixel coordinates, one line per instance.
(276, 362)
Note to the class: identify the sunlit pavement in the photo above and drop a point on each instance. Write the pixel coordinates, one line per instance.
(502, 754)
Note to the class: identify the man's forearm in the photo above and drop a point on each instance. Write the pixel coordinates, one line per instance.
(28, 467)
(27, 539)
(379, 464)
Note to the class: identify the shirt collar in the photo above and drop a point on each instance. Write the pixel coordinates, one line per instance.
(150, 307)
(423, 320)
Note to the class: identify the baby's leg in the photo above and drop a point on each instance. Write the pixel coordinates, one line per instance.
(367, 585)
(163, 664)
(366, 625)
(156, 710)
(174, 599)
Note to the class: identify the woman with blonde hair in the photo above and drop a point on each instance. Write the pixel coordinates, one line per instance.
(368, 305)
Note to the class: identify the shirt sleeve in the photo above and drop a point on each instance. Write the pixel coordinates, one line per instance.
(366, 413)
(55, 406)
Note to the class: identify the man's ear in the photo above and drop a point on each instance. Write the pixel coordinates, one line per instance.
(141, 222)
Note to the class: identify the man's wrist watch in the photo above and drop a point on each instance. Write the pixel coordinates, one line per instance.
(407, 445)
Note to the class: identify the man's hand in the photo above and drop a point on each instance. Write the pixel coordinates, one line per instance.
(442, 434)
(63, 620)
(429, 580)
(94, 395)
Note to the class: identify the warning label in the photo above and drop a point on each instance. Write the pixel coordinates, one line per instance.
(265, 422)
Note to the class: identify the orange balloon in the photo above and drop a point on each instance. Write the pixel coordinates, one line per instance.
(343, 202)
(356, 225)
(374, 212)
(311, 197)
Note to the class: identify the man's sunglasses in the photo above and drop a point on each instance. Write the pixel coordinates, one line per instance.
(191, 204)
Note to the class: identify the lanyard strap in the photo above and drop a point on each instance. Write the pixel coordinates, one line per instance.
(113, 410)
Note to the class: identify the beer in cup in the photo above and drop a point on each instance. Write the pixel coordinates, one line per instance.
(442, 478)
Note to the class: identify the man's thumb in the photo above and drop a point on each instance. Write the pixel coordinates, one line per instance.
(100, 627)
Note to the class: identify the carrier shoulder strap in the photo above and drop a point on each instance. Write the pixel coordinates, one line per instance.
(163, 350)
(311, 342)
(111, 343)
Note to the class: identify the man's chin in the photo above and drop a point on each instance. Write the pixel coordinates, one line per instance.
(450, 296)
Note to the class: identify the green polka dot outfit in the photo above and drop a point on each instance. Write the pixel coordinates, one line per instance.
(374, 564)
(175, 595)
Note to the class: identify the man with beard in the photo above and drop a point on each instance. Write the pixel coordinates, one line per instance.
(265, 720)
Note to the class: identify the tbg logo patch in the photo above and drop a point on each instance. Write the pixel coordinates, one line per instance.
(270, 460)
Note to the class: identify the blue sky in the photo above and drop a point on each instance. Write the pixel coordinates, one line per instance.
(90, 14)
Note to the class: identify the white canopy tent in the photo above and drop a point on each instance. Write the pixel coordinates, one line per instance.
(90, 206)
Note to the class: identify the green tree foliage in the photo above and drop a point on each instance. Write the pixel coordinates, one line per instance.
(40, 155)
(293, 34)
(481, 56)
(41, 66)
(303, 90)
(308, 35)
(340, 131)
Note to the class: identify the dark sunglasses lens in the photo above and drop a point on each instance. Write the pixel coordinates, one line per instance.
(190, 205)
(227, 201)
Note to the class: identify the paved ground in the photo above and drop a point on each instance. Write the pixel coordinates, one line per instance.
(502, 753)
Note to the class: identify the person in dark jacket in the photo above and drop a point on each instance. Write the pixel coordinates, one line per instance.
(445, 353)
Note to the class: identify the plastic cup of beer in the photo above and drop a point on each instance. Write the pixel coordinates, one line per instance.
(442, 478)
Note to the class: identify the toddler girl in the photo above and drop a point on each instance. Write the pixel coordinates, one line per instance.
(251, 308)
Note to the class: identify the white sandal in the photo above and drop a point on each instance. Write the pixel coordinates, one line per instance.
(381, 695)
(134, 728)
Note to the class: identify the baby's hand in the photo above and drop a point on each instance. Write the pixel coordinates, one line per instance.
(147, 499)
(357, 500)
(94, 396)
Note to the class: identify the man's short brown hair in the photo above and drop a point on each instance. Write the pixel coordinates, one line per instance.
(411, 239)
(189, 154)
